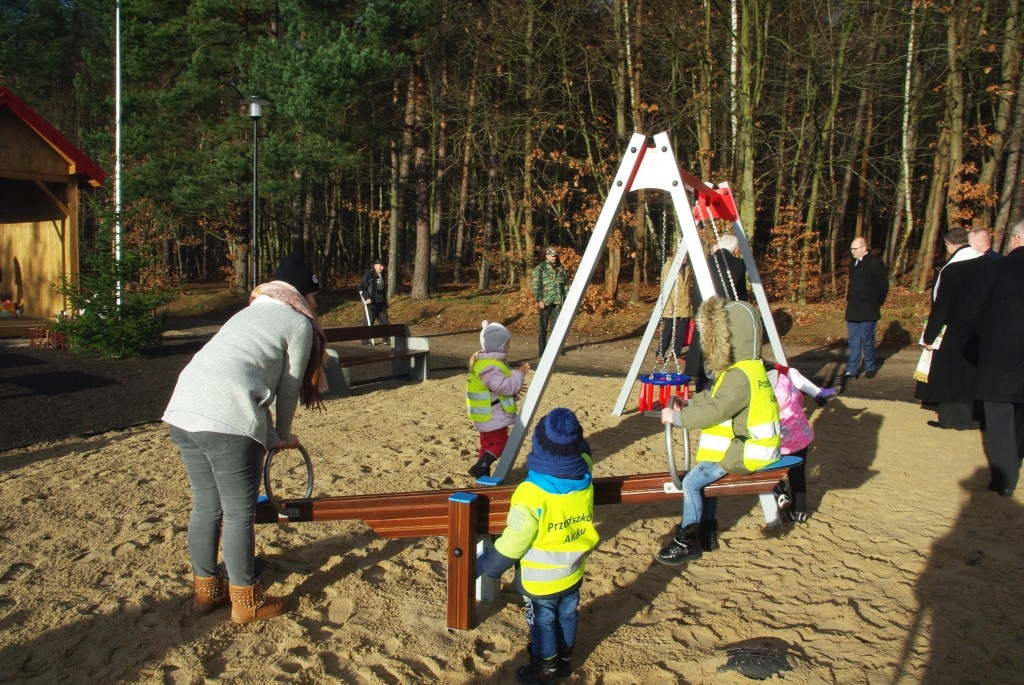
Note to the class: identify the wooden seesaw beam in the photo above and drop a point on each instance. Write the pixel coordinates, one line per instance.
(464, 515)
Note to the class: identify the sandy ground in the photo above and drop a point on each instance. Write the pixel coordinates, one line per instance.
(907, 572)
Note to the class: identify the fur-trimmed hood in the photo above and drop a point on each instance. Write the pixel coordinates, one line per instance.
(730, 332)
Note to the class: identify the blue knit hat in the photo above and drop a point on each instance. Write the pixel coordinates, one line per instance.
(557, 446)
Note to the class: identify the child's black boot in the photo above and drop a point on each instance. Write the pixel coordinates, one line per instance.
(539, 672)
(685, 546)
(482, 467)
(708, 535)
(564, 668)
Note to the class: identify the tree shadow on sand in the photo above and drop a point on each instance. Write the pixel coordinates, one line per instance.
(117, 640)
(969, 596)
(835, 425)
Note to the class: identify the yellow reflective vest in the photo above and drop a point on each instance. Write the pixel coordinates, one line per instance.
(478, 395)
(556, 559)
(761, 447)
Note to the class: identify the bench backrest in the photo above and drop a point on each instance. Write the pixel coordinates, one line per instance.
(349, 333)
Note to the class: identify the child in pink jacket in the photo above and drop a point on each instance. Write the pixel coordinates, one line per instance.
(491, 390)
(797, 435)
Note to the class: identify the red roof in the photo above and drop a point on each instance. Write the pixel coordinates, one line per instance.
(82, 164)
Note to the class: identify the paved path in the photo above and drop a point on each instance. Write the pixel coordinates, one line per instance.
(450, 352)
(52, 394)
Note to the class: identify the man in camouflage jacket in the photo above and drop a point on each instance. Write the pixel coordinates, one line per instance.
(549, 285)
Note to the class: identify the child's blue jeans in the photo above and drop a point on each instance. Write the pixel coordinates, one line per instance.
(552, 623)
(704, 473)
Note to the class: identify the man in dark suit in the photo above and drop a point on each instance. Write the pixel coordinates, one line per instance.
(865, 295)
(1000, 382)
(981, 240)
(956, 297)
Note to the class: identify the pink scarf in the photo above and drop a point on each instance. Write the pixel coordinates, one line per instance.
(314, 383)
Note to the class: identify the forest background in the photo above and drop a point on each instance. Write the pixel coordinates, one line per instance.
(460, 137)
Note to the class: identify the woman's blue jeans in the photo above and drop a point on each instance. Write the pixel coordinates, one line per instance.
(224, 472)
(552, 623)
(695, 509)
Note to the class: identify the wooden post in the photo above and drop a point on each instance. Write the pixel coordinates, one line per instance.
(463, 511)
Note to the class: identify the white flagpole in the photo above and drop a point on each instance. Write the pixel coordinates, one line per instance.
(117, 145)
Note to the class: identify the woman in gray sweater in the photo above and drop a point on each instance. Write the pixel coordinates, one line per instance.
(233, 402)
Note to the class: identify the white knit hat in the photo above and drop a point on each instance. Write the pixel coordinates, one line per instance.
(493, 337)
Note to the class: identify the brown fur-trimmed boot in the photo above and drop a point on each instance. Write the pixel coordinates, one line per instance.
(248, 603)
(209, 593)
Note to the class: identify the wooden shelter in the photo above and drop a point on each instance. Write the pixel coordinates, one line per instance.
(40, 176)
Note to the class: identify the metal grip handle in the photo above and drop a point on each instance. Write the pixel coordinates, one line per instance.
(670, 451)
(287, 512)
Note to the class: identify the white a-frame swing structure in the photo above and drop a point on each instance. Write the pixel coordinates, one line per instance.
(648, 164)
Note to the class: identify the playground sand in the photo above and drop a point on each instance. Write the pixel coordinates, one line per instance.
(907, 572)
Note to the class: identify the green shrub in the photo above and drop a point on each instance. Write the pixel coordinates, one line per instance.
(98, 324)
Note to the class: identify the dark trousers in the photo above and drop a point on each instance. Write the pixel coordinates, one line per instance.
(378, 314)
(679, 326)
(1004, 442)
(962, 416)
(548, 316)
(695, 364)
(798, 481)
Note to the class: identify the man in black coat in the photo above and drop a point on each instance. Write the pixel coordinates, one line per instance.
(981, 240)
(1000, 382)
(956, 298)
(865, 295)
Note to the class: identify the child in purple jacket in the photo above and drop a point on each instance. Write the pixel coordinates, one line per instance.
(491, 390)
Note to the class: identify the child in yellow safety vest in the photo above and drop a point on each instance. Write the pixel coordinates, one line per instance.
(548, 535)
(491, 390)
(738, 415)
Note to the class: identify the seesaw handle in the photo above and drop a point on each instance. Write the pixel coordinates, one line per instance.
(287, 512)
(670, 451)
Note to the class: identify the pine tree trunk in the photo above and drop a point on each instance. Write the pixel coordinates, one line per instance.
(421, 172)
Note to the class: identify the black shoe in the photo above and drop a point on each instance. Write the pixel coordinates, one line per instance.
(539, 672)
(845, 376)
(482, 467)
(794, 516)
(1002, 492)
(871, 374)
(684, 546)
(935, 424)
(564, 664)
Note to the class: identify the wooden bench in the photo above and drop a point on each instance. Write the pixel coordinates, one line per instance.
(468, 517)
(405, 355)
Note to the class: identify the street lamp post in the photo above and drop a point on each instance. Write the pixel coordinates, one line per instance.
(255, 104)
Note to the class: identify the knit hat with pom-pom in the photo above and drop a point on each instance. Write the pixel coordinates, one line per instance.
(558, 445)
(493, 337)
